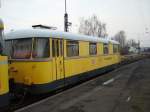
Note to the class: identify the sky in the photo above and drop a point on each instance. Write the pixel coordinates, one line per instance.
(132, 16)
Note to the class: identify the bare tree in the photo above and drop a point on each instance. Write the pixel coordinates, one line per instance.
(92, 26)
(125, 44)
(121, 38)
(132, 43)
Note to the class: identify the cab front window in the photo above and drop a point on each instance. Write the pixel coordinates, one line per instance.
(21, 48)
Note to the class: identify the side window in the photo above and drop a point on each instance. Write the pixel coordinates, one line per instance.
(92, 48)
(106, 48)
(61, 48)
(57, 47)
(41, 48)
(53, 48)
(115, 48)
(72, 48)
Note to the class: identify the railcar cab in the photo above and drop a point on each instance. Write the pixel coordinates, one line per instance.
(36, 62)
(4, 89)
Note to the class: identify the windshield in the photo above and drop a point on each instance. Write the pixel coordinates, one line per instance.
(22, 48)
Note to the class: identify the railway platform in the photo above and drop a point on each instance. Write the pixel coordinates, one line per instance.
(126, 89)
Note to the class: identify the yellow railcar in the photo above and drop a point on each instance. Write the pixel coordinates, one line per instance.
(4, 89)
(43, 60)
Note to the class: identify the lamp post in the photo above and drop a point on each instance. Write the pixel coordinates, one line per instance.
(66, 23)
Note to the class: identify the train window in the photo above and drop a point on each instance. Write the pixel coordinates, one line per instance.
(115, 48)
(41, 48)
(57, 47)
(61, 47)
(53, 48)
(21, 48)
(106, 48)
(92, 48)
(72, 48)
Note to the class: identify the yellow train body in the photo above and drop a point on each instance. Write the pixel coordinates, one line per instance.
(44, 75)
(44, 72)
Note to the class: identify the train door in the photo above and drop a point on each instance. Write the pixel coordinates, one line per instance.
(58, 58)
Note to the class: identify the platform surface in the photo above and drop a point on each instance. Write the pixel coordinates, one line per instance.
(126, 89)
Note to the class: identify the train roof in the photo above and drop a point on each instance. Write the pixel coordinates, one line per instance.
(45, 33)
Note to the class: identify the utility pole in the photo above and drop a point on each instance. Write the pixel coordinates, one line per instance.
(66, 23)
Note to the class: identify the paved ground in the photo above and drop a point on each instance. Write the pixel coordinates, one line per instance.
(126, 89)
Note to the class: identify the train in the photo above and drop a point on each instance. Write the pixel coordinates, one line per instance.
(4, 83)
(43, 60)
